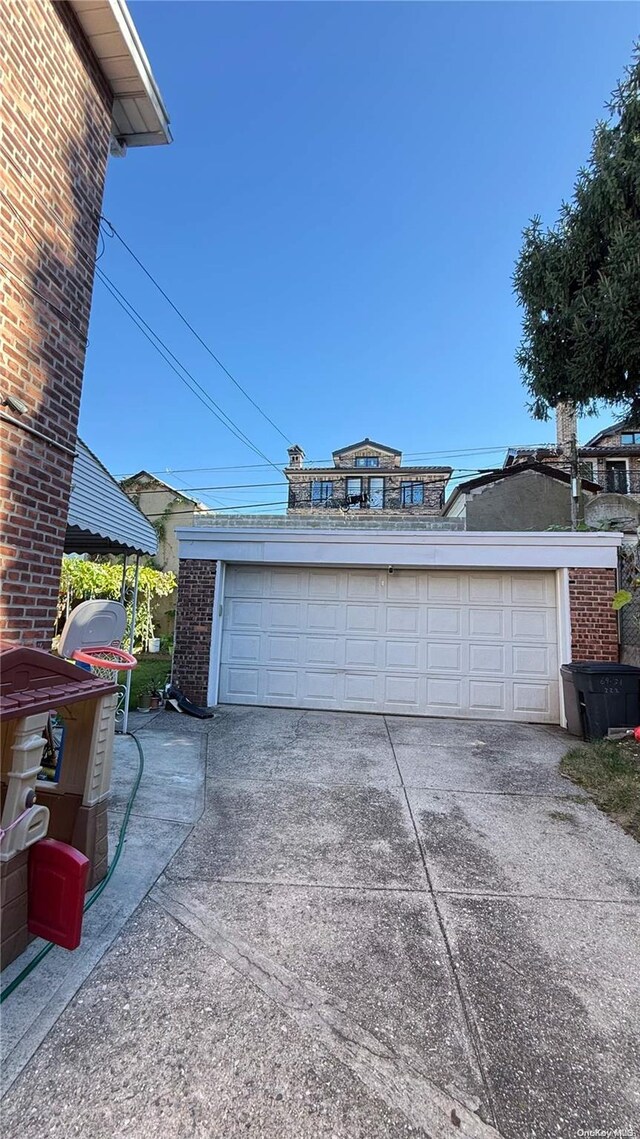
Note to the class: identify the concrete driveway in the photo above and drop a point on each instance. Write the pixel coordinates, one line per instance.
(379, 927)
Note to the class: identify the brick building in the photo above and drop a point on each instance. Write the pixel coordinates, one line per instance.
(77, 84)
(611, 459)
(365, 476)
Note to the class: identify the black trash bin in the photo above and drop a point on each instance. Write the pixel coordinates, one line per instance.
(600, 696)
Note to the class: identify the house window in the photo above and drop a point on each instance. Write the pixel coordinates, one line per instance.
(367, 461)
(376, 494)
(586, 469)
(411, 493)
(321, 491)
(354, 493)
(630, 437)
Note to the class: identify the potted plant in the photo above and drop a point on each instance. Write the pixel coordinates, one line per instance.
(144, 699)
(156, 691)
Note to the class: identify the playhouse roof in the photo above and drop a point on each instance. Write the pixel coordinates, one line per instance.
(33, 680)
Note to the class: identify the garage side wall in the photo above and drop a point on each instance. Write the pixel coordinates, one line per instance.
(194, 617)
(594, 624)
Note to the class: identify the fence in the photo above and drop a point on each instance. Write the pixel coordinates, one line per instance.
(629, 565)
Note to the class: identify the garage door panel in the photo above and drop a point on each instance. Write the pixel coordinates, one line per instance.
(322, 685)
(444, 693)
(444, 620)
(363, 586)
(242, 681)
(489, 588)
(402, 619)
(488, 696)
(533, 589)
(531, 699)
(442, 586)
(323, 615)
(281, 683)
(282, 649)
(423, 642)
(403, 692)
(532, 660)
(324, 584)
(322, 650)
(361, 688)
(532, 624)
(403, 586)
(444, 657)
(244, 647)
(487, 658)
(487, 623)
(283, 614)
(402, 654)
(363, 617)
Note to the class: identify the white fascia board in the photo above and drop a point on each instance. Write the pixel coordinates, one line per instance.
(457, 549)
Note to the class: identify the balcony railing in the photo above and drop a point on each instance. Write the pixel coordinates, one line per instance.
(302, 498)
(619, 481)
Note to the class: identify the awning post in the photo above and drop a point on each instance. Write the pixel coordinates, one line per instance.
(134, 609)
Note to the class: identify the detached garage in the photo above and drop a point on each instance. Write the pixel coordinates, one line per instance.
(413, 622)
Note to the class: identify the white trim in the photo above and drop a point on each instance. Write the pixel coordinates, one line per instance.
(563, 609)
(417, 548)
(215, 650)
(108, 21)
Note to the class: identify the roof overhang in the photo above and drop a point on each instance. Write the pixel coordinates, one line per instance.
(435, 549)
(101, 518)
(140, 117)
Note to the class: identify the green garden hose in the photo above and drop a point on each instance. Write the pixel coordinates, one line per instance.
(93, 897)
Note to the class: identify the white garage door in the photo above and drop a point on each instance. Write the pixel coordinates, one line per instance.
(418, 642)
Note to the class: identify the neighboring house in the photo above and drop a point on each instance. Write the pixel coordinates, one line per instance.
(611, 459)
(526, 496)
(365, 476)
(166, 508)
(78, 84)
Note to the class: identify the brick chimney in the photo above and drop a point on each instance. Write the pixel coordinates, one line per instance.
(566, 425)
(296, 456)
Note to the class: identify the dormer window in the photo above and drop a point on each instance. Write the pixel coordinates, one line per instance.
(630, 437)
(367, 461)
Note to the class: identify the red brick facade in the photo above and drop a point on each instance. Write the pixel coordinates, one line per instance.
(194, 618)
(55, 115)
(594, 624)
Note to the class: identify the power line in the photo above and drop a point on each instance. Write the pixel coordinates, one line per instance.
(245, 506)
(318, 462)
(158, 286)
(159, 345)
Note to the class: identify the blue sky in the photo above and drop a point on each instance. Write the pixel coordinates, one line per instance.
(339, 216)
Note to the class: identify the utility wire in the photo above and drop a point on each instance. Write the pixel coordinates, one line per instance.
(178, 312)
(245, 506)
(167, 355)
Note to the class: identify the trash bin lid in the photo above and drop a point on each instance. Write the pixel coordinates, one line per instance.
(611, 668)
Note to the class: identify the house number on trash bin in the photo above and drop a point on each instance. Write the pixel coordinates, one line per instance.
(610, 685)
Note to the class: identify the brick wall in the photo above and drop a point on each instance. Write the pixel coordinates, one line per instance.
(594, 625)
(194, 615)
(55, 118)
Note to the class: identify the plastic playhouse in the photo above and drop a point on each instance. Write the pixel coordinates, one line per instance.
(54, 843)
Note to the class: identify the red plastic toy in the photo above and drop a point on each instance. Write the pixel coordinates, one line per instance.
(57, 883)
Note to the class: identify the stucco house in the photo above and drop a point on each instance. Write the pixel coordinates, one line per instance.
(167, 509)
(365, 476)
(526, 496)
